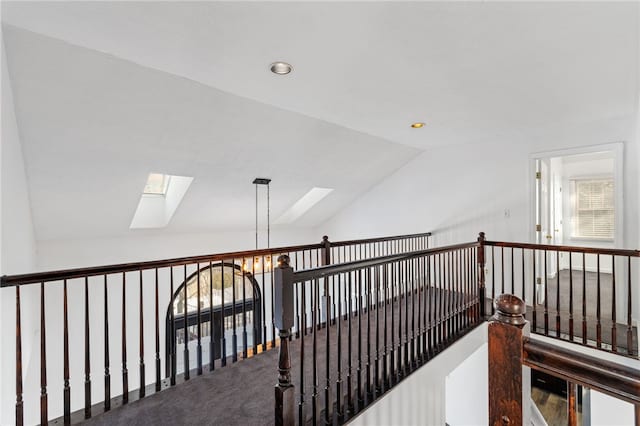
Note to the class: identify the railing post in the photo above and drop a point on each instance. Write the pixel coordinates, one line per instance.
(506, 331)
(481, 277)
(19, 402)
(283, 316)
(326, 251)
(326, 297)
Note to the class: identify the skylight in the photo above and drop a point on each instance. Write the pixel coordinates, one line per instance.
(159, 200)
(157, 184)
(304, 204)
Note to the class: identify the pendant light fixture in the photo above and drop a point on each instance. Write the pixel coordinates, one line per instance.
(257, 182)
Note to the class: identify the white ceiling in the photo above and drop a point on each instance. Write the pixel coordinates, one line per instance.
(202, 103)
(94, 126)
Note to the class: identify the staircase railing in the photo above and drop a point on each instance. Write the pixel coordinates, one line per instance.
(510, 348)
(363, 326)
(179, 317)
(355, 317)
(583, 295)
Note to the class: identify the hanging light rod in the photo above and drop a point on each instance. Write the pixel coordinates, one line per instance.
(256, 182)
(261, 181)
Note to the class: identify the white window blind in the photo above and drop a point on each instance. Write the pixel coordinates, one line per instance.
(594, 208)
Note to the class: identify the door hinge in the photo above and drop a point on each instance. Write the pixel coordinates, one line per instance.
(538, 228)
(538, 175)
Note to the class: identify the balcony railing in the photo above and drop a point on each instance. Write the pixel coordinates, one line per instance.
(582, 295)
(363, 326)
(351, 318)
(169, 319)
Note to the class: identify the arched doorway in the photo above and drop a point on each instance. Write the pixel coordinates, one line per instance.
(230, 306)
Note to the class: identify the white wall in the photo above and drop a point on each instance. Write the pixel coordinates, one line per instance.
(458, 191)
(77, 253)
(452, 389)
(422, 398)
(18, 241)
(609, 411)
(142, 245)
(466, 396)
(454, 191)
(18, 247)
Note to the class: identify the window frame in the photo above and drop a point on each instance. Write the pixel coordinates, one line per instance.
(574, 180)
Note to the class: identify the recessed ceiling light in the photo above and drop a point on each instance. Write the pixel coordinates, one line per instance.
(281, 68)
(417, 125)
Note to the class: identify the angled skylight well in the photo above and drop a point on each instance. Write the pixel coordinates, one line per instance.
(159, 200)
(157, 184)
(304, 204)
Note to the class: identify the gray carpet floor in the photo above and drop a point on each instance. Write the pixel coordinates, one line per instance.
(242, 393)
(565, 300)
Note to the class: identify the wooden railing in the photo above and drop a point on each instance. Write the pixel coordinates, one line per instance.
(363, 326)
(393, 313)
(365, 312)
(510, 348)
(579, 294)
(198, 313)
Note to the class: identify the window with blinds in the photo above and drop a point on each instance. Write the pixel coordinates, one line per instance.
(594, 208)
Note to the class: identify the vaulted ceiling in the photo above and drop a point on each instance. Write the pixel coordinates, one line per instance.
(107, 92)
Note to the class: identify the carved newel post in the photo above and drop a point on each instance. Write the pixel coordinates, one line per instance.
(507, 327)
(283, 317)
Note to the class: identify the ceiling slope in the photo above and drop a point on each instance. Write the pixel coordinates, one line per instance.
(94, 125)
(473, 71)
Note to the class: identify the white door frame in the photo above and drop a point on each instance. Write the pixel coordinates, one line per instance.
(618, 174)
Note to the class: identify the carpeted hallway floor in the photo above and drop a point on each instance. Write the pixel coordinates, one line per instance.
(569, 300)
(243, 393)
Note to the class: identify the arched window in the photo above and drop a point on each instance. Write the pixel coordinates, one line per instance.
(235, 297)
(232, 278)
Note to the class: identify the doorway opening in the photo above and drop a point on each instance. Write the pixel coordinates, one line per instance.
(577, 201)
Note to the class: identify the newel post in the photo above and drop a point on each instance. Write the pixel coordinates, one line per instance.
(507, 327)
(325, 308)
(326, 251)
(283, 317)
(481, 277)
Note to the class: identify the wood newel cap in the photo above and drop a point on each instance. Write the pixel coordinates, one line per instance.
(325, 239)
(283, 261)
(510, 309)
(481, 236)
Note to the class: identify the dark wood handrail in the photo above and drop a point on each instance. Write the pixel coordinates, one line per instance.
(612, 378)
(50, 276)
(385, 293)
(574, 249)
(325, 271)
(12, 280)
(379, 239)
